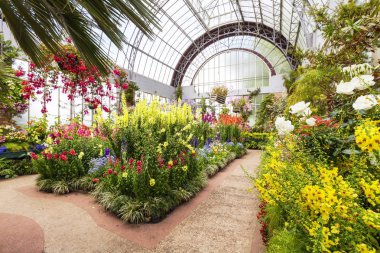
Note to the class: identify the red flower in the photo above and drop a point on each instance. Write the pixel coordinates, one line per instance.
(123, 167)
(124, 86)
(139, 169)
(105, 108)
(49, 156)
(72, 152)
(115, 172)
(139, 163)
(130, 161)
(56, 156)
(104, 174)
(33, 156)
(110, 171)
(95, 180)
(63, 157)
(19, 72)
(116, 72)
(175, 162)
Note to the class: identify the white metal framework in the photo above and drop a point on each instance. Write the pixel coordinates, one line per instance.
(279, 26)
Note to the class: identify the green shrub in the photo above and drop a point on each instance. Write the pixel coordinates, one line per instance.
(316, 86)
(255, 140)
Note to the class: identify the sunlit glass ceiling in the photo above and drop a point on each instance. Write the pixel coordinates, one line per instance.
(183, 21)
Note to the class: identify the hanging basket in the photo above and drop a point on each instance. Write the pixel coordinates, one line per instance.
(236, 109)
(213, 97)
(221, 99)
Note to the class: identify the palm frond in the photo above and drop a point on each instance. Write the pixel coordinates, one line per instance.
(49, 21)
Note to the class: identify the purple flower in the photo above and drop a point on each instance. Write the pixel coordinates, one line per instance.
(107, 152)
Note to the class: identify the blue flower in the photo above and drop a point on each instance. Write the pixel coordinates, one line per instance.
(40, 147)
(3, 149)
(107, 152)
(196, 142)
(98, 163)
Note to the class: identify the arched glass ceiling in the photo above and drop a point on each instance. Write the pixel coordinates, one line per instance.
(183, 21)
(260, 46)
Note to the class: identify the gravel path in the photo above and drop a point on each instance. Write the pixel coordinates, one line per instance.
(222, 218)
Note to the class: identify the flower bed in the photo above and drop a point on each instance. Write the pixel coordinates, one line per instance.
(320, 186)
(140, 165)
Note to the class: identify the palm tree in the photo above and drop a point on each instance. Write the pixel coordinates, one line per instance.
(33, 22)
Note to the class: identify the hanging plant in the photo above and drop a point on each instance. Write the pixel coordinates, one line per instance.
(66, 70)
(221, 94)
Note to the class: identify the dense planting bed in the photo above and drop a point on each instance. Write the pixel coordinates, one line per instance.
(142, 164)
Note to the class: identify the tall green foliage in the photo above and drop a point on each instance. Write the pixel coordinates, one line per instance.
(270, 107)
(10, 86)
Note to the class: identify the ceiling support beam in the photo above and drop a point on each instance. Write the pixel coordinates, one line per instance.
(240, 11)
(196, 15)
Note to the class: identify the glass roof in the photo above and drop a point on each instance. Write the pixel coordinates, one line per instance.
(183, 21)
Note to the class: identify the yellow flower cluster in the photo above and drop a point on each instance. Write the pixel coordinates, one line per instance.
(371, 219)
(371, 191)
(162, 115)
(363, 248)
(328, 199)
(368, 136)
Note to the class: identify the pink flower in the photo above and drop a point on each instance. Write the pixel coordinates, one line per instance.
(95, 180)
(110, 171)
(49, 156)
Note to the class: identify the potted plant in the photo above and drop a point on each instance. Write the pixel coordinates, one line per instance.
(236, 104)
(220, 92)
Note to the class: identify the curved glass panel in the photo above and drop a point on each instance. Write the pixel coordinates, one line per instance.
(237, 70)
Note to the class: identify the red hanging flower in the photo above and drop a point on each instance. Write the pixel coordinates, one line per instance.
(124, 86)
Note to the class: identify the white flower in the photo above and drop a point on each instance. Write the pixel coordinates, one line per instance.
(365, 102)
(311, 121)
(358, 69)
(307, 112)
(362, 82)
(345, 88)
(300, 108)
(283, 126)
